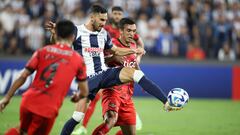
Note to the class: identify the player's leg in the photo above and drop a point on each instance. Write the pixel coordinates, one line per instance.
(25, 120)
(128, 74)
(91, 109)
(138, 122)
(82, 129)
(13, 131)
(110, 107)
(128, 129)
(40, 125)
(127, 118)
(119, 132)
(110, 120)
(95, 83)
(76, 118)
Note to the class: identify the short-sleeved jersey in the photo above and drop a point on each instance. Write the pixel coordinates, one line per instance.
(125, 90)
(56, 66)
(115, 33)
(91, 46)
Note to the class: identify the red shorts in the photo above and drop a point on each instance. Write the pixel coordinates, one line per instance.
(125, 109)
(34, 124)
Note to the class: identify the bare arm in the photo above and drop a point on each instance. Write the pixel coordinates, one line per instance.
(126, 51)
(140, 42)
(16, 84)
(83, 86)
(122, 51)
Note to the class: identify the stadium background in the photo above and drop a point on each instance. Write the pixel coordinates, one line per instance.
(192, 44)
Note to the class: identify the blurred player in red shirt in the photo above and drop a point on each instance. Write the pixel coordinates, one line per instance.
(117, 104)
(56, 66)
(113, 30)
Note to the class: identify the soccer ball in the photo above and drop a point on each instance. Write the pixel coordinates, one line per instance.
(177, 97)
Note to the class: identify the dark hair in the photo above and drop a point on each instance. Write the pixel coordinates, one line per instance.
(96, 8)
(117, 8)
(65, 28)
(125, 21)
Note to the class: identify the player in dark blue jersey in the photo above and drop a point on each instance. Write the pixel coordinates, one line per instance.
(91, 40)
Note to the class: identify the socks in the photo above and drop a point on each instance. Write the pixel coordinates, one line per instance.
(90, 110)
(12, 131)
(71, 123)
(119, 132)
(69, 127)
(101, 130)
(149, 86)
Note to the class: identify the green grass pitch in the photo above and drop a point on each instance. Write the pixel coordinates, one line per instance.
(199, 117)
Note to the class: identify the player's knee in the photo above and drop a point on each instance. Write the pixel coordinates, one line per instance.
(77, 116)
(127, 74)
(137, 75)
(111, 118)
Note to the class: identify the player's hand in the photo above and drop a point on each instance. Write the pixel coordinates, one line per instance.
(3, 103)
(169, 108)
(76, 97)
(140, 51)
(51, 27)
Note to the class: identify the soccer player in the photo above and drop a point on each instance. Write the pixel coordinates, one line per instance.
(56, 66)
(118, 107)
(114, 32)
(113, 26)
(91, 40)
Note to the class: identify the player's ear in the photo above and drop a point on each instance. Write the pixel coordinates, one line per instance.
(121, 31)
(72, 38)
(92, 17)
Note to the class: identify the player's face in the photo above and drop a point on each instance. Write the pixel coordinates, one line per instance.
(117, 16)
(98, 21)
(128, 32)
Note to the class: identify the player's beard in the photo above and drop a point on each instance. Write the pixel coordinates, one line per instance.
(96, 26)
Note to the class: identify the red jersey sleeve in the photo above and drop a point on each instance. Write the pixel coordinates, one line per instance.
(33, 62)
(82, 73)
(136, 37)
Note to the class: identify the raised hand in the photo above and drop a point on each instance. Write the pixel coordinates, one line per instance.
(140, 51)
(51, 27)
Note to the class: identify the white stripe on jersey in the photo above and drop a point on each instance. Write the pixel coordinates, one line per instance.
(92, 46)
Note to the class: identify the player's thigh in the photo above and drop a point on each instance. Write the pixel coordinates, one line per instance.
(126, 74)
(110, 101)
(25, 119)
(128, 129)
(110, 118)
(40, 125)
(126, 114)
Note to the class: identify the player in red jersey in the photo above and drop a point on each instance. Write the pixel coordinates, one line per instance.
(56, 66)
(113, 30)
(118, 107)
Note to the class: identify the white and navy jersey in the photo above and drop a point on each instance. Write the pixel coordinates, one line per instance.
(91, 46)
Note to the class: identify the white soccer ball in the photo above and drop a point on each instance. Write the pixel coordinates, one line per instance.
(177, 97)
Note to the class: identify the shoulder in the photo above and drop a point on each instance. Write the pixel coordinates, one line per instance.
(115, 40)
(77, 56)
(79, 29)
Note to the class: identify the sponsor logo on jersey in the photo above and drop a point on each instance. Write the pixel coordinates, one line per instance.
(93, 52)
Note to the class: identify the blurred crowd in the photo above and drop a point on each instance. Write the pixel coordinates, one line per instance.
(191, 29)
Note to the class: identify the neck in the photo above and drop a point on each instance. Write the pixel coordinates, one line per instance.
(89, 26)
(64, 42)
(123, 41)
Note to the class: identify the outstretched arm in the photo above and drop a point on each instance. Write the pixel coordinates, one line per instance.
(126, 51)
(17, 83)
